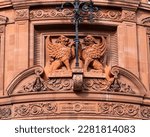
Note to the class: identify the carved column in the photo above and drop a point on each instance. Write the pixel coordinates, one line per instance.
(22, 39)
(127, 42)
(3, 21)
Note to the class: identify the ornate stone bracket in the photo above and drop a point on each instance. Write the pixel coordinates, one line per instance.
(77, 79)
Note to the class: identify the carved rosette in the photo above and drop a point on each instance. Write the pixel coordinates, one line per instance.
(108, 14)
(105, 14)
(119, 109)
(97, 109)
(129, 16)
(49, 13)
(35, 109)
(22, 14)
(145, 112)
(5, 112)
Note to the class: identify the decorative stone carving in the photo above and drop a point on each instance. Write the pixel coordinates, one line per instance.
(146, 21)
(77, 79)
(5, 112)
(35, 109)
(50, 13)
(118, 109)
(22, 14)
(59, 53)
(108, 14)
(145, 112)
(95, 84)
(98, 109)
(78, 107)
(128, 16)
(3, 20)
(37, 85)
(105, 14)
(59, 84)
(117, 86)
(93, 52)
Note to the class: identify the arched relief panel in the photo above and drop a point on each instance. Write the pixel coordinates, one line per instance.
(117, 84)
(3, 21)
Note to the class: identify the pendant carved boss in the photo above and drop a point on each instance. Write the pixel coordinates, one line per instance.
(61, 53)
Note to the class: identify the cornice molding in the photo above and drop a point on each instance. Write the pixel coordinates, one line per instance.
(144, 6)
(131, 4)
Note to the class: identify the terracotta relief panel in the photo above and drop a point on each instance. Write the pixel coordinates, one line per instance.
(51, 13)
(73, 109)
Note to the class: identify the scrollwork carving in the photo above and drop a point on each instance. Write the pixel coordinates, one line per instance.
(117, 86)
(38, 109)
(37, 85)
(50, 13)
(108, 14)
(96, 84)
(105, 14)
(59, 84)
(119, 109)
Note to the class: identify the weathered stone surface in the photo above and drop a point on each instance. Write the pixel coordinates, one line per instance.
(38, 77)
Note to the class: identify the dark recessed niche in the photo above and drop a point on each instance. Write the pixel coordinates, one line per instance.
(71, 28)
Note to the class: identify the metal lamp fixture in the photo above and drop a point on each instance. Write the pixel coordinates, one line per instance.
(78, 9)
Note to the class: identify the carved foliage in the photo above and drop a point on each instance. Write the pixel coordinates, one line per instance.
(59, 84)
(111, 109)
(5, 112)
(22, 14)
(50, 13)
(37, 109)
(95, 84)
(129, 16)
(106, 14)
(120, 87)
(119, 109)
(145, 112)
(37, 85)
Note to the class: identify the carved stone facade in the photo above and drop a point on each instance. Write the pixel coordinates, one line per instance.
(38, 73)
